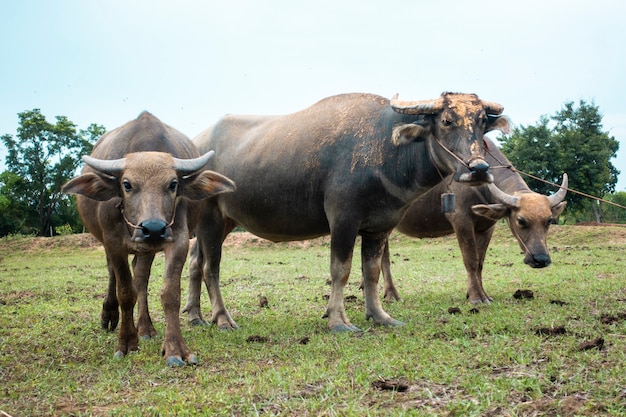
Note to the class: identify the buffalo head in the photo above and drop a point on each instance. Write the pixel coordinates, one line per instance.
(455, 123)
(529, 215)
(149, 185)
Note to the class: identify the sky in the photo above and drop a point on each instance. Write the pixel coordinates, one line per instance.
(191, 62)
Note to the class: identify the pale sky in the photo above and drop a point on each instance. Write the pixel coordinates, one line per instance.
(190, 62)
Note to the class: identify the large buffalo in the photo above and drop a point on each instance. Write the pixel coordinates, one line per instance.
(528, 214)
(348, 165)
(139, 193)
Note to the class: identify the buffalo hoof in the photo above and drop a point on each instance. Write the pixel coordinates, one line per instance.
(118, 355)
(395, 323)
(146, 337)
(198, 322)
(479, 301)
(340, 328)
(174, 361)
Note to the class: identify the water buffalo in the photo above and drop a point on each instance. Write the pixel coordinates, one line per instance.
(348, 165)
(139, 193)
(528, 214)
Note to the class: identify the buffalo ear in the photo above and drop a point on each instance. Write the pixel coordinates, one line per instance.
(205, 185)
(558, 209)
(500, 123)
(409, 133)
(93, 186)
(491, 211)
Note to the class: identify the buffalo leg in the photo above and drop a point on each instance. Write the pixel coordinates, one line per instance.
(371, 255)
(141, 276)
(110, 315)
(127, 340)
(211, 234)
(192, 308)
(482, 243)
(471, 259)
(341, 249)
(391, 293)
(174, 348)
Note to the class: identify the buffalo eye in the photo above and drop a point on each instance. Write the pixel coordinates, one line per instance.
(550, 221)
(446, 121)
(522, 223)
(173, 185)
(127, 187)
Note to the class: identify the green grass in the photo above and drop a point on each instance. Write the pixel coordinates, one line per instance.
(55, 360)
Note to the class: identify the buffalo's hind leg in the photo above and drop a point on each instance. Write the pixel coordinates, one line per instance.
(193, 307)
(110, 315)
(391, 292)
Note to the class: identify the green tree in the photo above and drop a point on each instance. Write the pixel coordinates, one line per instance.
(573, 143)
(613, 214)
(44, 156)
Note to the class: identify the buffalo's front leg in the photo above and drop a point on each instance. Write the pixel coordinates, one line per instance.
(174, 348)
(141, 277)
(472, 244)
(341, 248)
(371, 255)
(127, 340)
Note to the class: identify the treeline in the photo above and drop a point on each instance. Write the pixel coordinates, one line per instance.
(42, 156)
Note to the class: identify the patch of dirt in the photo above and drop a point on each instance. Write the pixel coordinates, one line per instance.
(237, 239)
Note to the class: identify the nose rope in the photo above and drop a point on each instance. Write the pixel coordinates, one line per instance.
(519, 239)
(455, 156)
(120, 206)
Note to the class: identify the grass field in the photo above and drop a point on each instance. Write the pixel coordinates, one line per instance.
(562, 352)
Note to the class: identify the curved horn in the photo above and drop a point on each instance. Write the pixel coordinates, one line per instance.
(502, 197)
(189, 166)
(559, 196)
(417, 107)
(492, 108)
(105, 165)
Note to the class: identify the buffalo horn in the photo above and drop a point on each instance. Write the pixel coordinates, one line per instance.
(502, 197)
(189, 166)
(105, 165)
(417, 107)
(492, 108)
(559, 196)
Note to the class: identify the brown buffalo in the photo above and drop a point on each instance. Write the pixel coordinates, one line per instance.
(348, 165)
(528, 214)
(139, 194)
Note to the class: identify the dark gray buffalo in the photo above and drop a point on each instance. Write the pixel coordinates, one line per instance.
(139, 193)
(348, 165)
(528, 214)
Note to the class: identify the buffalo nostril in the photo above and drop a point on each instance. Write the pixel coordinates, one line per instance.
(478, 165)
(541, 260)
(153, 229)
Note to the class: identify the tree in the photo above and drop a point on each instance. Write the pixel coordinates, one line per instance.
(615, 214)
(574, 143)
(44, 156)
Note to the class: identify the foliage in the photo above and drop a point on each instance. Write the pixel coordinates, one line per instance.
(40, 159)
(573, 143)
(486, 360)
(613, 214)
